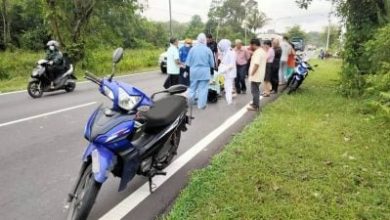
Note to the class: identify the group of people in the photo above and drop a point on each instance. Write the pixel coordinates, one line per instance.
(270, 63)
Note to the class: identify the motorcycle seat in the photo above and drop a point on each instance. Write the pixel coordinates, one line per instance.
(164, 112)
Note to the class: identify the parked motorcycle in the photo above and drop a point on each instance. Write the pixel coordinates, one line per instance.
(137, 135)
(40, 82)
(300, 73)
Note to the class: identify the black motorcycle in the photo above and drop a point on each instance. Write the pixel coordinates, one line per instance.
(40, 82)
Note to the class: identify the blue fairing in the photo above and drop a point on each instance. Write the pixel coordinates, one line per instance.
(106, 158)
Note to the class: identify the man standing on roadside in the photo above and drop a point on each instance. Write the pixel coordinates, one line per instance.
(242, 57)
(185, 70)
(286, 50)
(214, 49)
(173, 63)
(200, 60)
(256, 72)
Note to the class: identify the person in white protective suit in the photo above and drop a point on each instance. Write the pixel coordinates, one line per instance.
(228, 67)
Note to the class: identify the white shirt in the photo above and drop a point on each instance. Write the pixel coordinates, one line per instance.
(286, 49)
(228, 65)
(172, 57)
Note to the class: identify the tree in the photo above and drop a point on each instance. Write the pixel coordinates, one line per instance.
(195, 27)
(296, 31)
(256, 20)
(6, 31)
(227, 19)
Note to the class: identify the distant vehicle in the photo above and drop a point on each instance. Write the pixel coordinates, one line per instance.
(162, 60)
(40, 82)
(299, 43)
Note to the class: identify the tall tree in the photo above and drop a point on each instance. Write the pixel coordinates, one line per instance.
(296, 31)
(195, 27)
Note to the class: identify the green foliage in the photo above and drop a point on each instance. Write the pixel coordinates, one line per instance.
(195, 27)
(231, 18)
(296, 31)
(312, 155)
(378, 83)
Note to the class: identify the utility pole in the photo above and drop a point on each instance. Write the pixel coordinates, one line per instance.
(170, 19)
(215, 4)
(329, 26)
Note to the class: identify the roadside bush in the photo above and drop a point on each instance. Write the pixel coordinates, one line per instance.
(377, 89)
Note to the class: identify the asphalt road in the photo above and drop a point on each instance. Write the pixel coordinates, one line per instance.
(41, 144)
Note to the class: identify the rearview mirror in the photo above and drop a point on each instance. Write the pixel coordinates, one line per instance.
(118, 55)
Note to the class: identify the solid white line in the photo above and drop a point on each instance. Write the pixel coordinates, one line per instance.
(83, 82)
(133, 200)
(47, 114)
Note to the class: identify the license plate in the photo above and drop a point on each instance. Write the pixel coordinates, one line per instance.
(95, 161)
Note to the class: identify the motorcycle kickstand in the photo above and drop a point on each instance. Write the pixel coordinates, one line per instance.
(152, 186)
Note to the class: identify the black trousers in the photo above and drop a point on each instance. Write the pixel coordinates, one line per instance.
(275, 78)
(184, 80)
(240, 79)
(255, 89)
(171, 80)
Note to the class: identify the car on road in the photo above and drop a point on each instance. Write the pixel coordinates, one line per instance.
(162, 60)
(299, 43)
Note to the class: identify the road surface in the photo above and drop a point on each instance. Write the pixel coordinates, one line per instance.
(42, 144)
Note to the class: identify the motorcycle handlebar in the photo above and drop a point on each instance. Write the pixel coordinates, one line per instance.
(90, 76)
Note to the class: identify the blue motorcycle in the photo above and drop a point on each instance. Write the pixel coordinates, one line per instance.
(300, 73)
(137, 135)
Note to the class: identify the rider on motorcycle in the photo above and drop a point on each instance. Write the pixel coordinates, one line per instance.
(56, 61)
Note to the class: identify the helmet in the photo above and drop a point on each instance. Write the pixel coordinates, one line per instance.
(53, 44)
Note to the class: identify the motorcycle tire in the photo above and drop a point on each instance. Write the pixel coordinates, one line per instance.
(294, 86)
(71, 87)
(34, 89)
(174, 142)
(87, 189)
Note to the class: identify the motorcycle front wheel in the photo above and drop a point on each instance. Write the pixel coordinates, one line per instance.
(35, 89)
(85, 196)
(293, 86)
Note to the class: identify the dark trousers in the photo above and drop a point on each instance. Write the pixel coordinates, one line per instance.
(255, 90)
(184, 80)
(171, 80)
(275, 78)
(240, 79)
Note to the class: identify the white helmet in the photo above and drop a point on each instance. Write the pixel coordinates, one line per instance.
(53, 44)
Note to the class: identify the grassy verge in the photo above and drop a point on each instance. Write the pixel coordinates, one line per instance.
(311, 155)
(16, 67)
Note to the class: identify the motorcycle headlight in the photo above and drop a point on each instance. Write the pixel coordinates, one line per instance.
(108, 92)
(35, 72)
(125, 101)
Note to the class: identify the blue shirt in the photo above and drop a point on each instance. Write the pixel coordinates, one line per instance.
(184, 51)
(200, 60)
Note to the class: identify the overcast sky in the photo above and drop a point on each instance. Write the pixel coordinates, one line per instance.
(284, 13)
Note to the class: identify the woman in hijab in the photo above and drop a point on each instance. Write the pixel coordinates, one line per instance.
(200, 60)
(227, 68)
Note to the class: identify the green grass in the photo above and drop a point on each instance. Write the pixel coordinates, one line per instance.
(311, 155)
(16, 67)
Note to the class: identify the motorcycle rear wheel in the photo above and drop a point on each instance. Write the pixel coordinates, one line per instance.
(167, 158)
(71, 87)
(34, 89)
(85, 196)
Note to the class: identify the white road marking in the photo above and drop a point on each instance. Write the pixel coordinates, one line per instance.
(47, 114)
(133, 200)
(84, 81)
